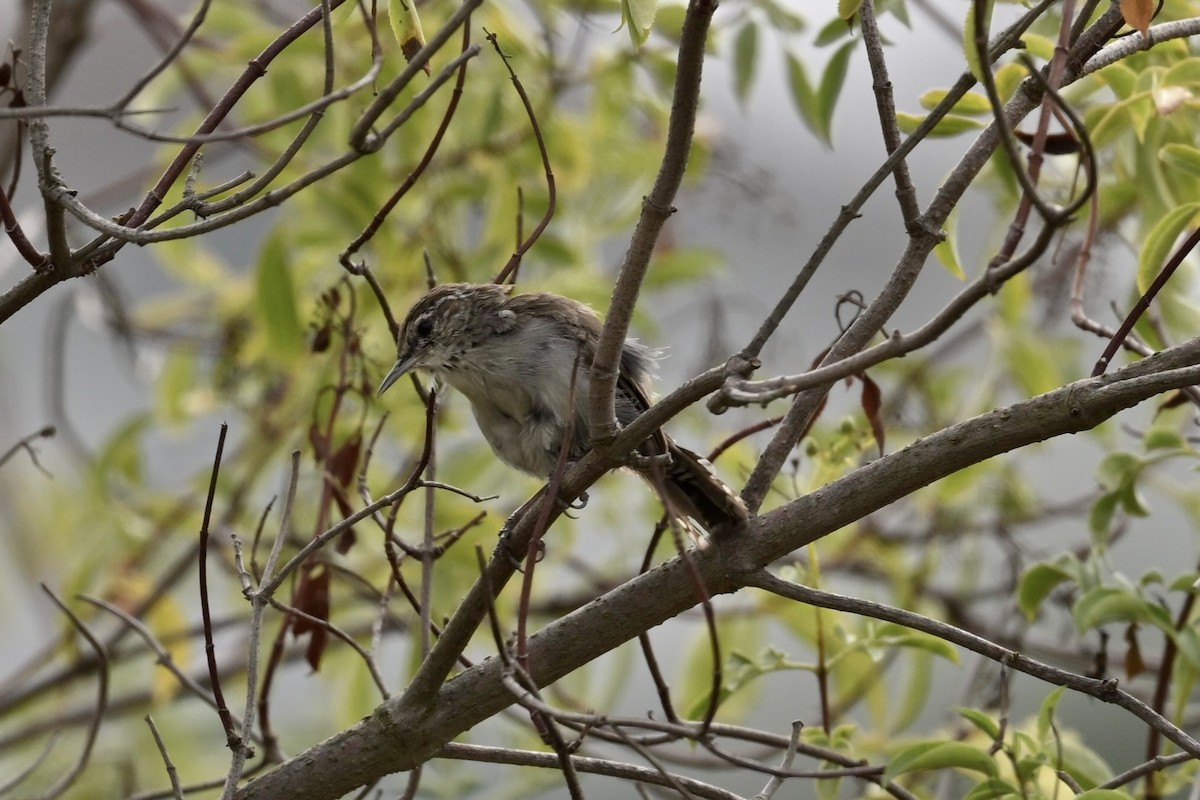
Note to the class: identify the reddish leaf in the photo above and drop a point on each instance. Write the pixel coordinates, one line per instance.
(1174, 401)
(1057, 144)
(321, 339)
(312, 597)
(1134, 665)
(347, 539)
(1138, 13)
(343, 464)
(316, 647)
(872, 402)
(319, 444)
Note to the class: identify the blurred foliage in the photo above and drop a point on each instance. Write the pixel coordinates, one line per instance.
(288, 348)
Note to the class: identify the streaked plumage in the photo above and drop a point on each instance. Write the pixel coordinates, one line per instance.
(511, 355)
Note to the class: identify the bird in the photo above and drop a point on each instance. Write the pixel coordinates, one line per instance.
(512, 356)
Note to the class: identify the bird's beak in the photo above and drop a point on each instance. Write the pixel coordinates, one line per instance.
(403, 366)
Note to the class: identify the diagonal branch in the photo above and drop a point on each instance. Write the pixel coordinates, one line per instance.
(407, 731)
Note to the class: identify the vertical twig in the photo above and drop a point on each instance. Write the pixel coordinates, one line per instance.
(232, 740)
(514, 260)
(259, 601)
(656, 208)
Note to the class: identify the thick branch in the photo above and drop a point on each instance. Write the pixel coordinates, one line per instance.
(400, 735)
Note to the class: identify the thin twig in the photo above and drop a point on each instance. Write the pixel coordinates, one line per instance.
(172, 773)
(776, 781)
(26, 445)
(514, 260)
(72, 774)
(24, 773)
(232, 740)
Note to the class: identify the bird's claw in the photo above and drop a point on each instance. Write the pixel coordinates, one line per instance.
(516, 558)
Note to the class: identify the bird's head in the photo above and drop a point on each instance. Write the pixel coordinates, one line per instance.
(445, 325)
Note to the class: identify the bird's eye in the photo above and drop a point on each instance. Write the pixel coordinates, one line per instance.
(424, 327)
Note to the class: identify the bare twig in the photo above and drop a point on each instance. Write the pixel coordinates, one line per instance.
(232, 739)
(514, 261)
(172, 773)
(24, 773)
(776, 781)
(72, 774)
(26, 444)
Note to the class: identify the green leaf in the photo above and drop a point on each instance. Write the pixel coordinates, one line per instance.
(1105, 604)
(1082, 764)
(803, 96)
(1119, 469)
(175, 382)
(1161, 437)
(946, 250)
(1034, 365)
(1100, 517)
(835, 30)
(1120, 78)
(1188, 643)
(832, 81)
(668, 20)
(1046, 714)
(121, 455)
(981, 720)
(1161, 241)
(949, 125)
(1181, 156)
(782, 18)
(1008, 77)
(897, 636)
(846, 9)
(971, 103)
(1036, 584)
(639, 16)
(993, 789)
(940, 755)
(1038, 45)
(745, 59)
(1103, 794)
(910, 702)
(276, 298)
(970, 51)
(1185, 72)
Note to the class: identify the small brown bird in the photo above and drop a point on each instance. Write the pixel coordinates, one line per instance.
(512, 356)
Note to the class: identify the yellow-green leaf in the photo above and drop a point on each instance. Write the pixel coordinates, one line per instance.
(639, 16)
(846, 9)
(1036, 584)
(949, 125)
(971, 103)
(1181, 156)
(406, 27)
(1161, 241)
(745, 58)
(969, 49)
(940, 755)
(276, 297)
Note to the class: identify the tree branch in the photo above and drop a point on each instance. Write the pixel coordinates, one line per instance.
(405, 732)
